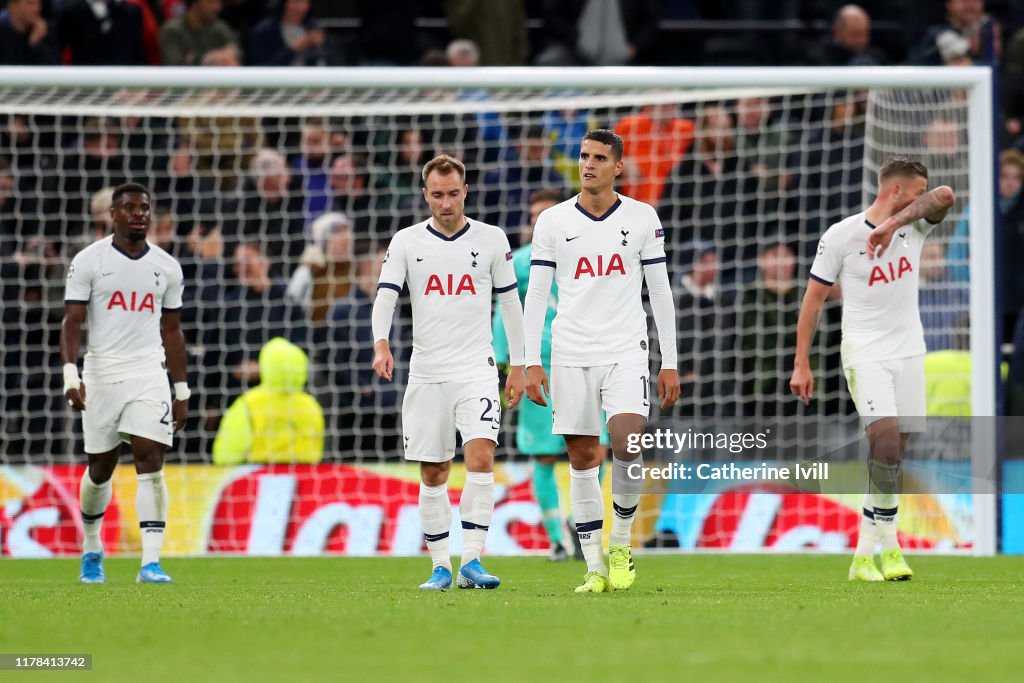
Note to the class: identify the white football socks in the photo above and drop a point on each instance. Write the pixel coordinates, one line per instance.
(588, 513)
(94, 500)
(867, 537)
(151, 504)
(476, 508)
(436, 520)
(625, 498)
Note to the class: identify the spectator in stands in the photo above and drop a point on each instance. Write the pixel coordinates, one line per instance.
(762, 145)
(965, 18)
(25, 38)
(364, 407)
(311, 165)
(276, 421)
(704, 320)
(598, 32)
(349, 194)
(768, 313)
(850, 42)
(463, 52)
(942, 300)
(499, 28)
(272, 212)
(95, 160)
(656, 139)
(289, 36)
(186, 40)
(564, 130)
(830, 158)
(325, 271)
(405, 160)
(707, 196)
(507, 187)
(239, 319)
(101, 34)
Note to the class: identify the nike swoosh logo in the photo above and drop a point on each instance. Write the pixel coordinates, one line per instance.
(418, 259)
(863, 252)
(106, 274)
(570, 239)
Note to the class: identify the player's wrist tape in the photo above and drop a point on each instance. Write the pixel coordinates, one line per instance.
(71, 378)
(181, 391)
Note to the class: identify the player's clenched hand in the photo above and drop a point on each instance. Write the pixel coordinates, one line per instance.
(515, 385)
(537, 385)
(383, 361)
(879, 239)
(179, 410)
(668, 387)
(802, 384)
(76, 397)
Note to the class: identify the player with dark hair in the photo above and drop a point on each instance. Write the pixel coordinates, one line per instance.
(130, 291)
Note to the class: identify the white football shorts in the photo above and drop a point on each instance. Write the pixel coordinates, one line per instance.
(431, 413)
(116, 412)
(890, 388)
(578, 395)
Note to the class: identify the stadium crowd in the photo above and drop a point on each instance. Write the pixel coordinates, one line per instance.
(280, 225)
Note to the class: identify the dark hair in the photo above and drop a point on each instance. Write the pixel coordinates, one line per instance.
(901, 167)
(548, 194)
(121, 190)
(607, 137)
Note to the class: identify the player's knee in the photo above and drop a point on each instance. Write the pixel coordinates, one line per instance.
(148, 459)
(101, 472)
(435, 473)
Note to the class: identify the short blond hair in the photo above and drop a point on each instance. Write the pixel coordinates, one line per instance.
(1014, 157)
(444, 165)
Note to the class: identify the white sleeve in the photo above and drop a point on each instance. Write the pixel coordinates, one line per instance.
(503, 272)
(653, 249)
(78, 288)
(512, 317)
(925, 226)
(542, 272)
(829, 259)
(383, 313)
(175, 290)
(393, 270)
(664, 308)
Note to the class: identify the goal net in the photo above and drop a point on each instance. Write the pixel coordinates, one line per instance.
(279, 198)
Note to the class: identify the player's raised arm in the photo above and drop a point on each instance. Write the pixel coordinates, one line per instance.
(392, 279)
(542, 272)
(663, 307)
(503, 276)
(932, 206)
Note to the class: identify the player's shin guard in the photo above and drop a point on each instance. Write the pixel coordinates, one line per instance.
(151, 504)
(94, 499)
(476, 508)
(436, 519)
(588, 512)
(884, 482)
(625, 498)
(545, 490)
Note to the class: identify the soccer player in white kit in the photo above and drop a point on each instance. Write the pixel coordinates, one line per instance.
(600, 247)
(130, 291)
(875, 257)
(453, 267)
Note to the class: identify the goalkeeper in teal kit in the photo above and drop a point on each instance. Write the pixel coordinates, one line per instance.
(533, 433)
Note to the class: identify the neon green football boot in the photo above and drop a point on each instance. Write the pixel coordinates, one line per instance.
(864, 569)
(621, 571)
(594, 582)
(894, 567)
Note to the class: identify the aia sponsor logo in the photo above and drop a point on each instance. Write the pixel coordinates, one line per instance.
(890, 272)
(446, 285)
(601, 266)
(134, 302)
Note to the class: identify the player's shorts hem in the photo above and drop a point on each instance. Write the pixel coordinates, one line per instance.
(466, 438)
(575, 431)
(429, 458)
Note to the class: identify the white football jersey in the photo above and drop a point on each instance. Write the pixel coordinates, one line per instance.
(126, 297)
(598, 262)
(452, 282)
(881, 320)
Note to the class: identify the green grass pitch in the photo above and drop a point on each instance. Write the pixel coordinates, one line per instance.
(700, 618)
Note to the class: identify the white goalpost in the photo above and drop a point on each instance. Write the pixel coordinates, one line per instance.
(279, 160)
